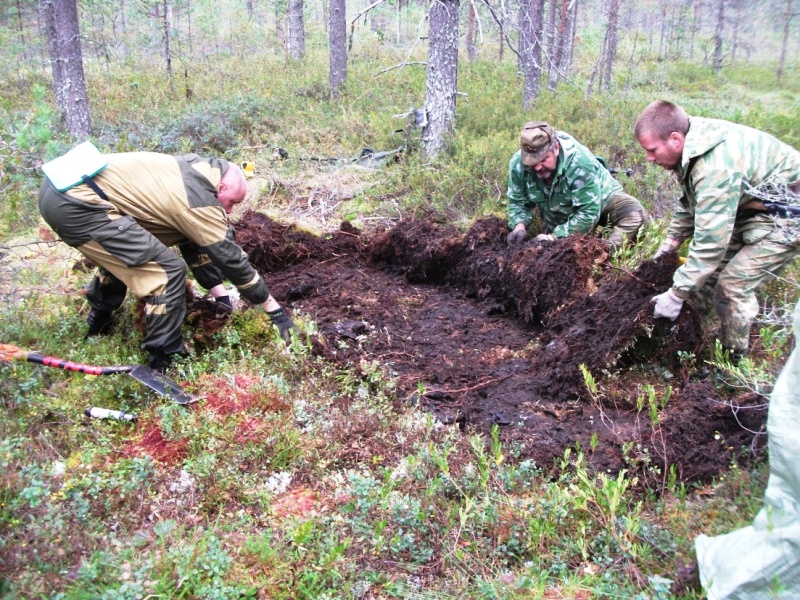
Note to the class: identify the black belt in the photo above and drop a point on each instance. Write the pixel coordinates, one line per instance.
(96, 188)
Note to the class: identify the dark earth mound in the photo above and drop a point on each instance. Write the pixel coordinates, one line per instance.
(526, 338)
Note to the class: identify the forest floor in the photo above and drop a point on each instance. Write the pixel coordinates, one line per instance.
(548, 341)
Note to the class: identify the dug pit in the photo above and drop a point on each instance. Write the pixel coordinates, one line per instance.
(546, 340)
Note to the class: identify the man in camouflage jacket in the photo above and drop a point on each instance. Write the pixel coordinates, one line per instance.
(727, 172)
(571, 187)
(125, 218)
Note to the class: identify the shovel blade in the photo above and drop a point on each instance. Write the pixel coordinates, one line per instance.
(162, 385)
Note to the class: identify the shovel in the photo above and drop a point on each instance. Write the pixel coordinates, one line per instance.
(150, 377)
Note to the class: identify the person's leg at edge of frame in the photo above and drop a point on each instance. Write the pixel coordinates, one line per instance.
(735, 293)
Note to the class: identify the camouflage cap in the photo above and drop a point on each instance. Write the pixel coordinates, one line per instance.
(535, 141)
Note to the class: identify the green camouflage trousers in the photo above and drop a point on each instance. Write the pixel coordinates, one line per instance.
(756, 254)
(625, 215)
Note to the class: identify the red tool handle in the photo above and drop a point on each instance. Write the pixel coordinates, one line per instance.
(68, 365)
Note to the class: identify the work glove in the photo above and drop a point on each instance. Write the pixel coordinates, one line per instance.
(544, 237)
(515, 237)
(668, 305)
(222, 306)
(668, 245)
(284, 324)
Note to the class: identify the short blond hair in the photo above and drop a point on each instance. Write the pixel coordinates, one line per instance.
(661, 118)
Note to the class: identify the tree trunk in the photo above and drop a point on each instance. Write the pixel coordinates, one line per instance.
(787, 27)
(718, 35)
(530, 34)
(189, 26)
(611, 44)
(502, 25)
(22, 42)
(297, 35)
(695, 25)
(572, 28)
(441, 84)
(69, 83)
(561, 42)
(735, 26)
(338, 46)
(167, 48)
(551, 32)
(472, 53)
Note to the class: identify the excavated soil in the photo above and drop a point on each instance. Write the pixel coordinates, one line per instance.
(481, 334)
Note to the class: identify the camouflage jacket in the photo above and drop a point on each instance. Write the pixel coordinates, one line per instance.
(720, 161)
(175, 199)
(573, 203)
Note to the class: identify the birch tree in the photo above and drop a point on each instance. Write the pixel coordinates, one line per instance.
(441, 85)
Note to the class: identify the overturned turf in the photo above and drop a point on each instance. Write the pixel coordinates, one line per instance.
(482, 335)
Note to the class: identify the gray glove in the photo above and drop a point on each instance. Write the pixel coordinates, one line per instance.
(668, 305)
(515, 237)
(668, 245)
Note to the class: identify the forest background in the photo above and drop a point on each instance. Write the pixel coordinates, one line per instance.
(302, 90)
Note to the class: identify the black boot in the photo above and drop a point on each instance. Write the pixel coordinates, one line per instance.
(101, 322)
(160, 362)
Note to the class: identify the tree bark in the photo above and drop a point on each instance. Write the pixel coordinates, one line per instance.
(718, 35)
(338, 46)
(695, 25)
(66, 58)
(551, 30)
(23, 43)
(472, 53)
(441, 85)
(530, 34)
(572, 28)
(561, 42)
(502, 25)
(297, 35)
(611, 45)
(167, 49)
(787, 27)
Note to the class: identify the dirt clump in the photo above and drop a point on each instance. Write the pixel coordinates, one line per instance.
(482, 334)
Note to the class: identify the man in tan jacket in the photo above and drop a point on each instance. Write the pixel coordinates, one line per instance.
(124, 219)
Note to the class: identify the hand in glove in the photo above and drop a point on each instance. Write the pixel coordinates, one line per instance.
(515, 237)
(668, 305)
(545, 237)
(284, 324)
(668, 245)
(222, 306)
